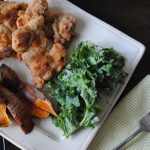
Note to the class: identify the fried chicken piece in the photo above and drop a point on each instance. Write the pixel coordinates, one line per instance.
(8, 16)
(44, 64)
(37, 52)
(31, 41)
(37, 7)
(63, 27)
(40, 64)
(31, 36)
(5, 42)
(23, 40)
(58, 54)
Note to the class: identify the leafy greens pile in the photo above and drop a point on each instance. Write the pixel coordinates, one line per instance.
(76, 87)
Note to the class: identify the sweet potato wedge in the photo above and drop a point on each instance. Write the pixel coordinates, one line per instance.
(18, 109)
(12, 81)
(39, 113)
(4, 119)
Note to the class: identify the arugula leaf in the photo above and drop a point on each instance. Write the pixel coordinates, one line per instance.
(76, 87)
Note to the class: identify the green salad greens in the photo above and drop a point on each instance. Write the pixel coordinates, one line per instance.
(90, 70)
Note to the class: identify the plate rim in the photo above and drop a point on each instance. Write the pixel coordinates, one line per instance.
(135, 63)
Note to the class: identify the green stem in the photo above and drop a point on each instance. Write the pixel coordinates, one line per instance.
(85, 115)
(86, 102)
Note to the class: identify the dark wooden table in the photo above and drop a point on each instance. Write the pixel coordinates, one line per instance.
(130, 16)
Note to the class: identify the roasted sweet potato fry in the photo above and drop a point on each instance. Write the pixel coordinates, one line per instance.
(4, 119)
(18, 109)
(33, 110)
(39, 113)
(12, 81)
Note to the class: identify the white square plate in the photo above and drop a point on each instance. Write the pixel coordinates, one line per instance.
(92, 29)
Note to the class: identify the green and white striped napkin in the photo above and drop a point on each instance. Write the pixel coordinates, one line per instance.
(124, 120)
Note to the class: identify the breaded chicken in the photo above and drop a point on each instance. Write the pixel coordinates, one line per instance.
(35, 9)
(8, 16)
(32, 44)
(63, 27)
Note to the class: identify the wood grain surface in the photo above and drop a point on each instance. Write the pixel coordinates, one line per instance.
(130, 16)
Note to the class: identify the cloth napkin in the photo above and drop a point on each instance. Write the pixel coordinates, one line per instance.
(124, 120)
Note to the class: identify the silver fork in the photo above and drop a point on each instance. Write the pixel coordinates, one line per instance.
(3, 143)
(144, 126)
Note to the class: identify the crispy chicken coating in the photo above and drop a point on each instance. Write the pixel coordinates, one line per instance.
(28, 32)
(42, 57)
(8, 16)
(35, 9)
(63, 28)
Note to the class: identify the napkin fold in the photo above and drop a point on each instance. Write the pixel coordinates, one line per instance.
(124, 120)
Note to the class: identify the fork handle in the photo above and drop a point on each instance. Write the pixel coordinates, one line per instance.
(128, 139)
(4, 147)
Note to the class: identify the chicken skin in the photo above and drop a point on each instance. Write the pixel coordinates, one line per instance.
(8, 17)
(29, 34)
(63, 27)
(42, 57)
